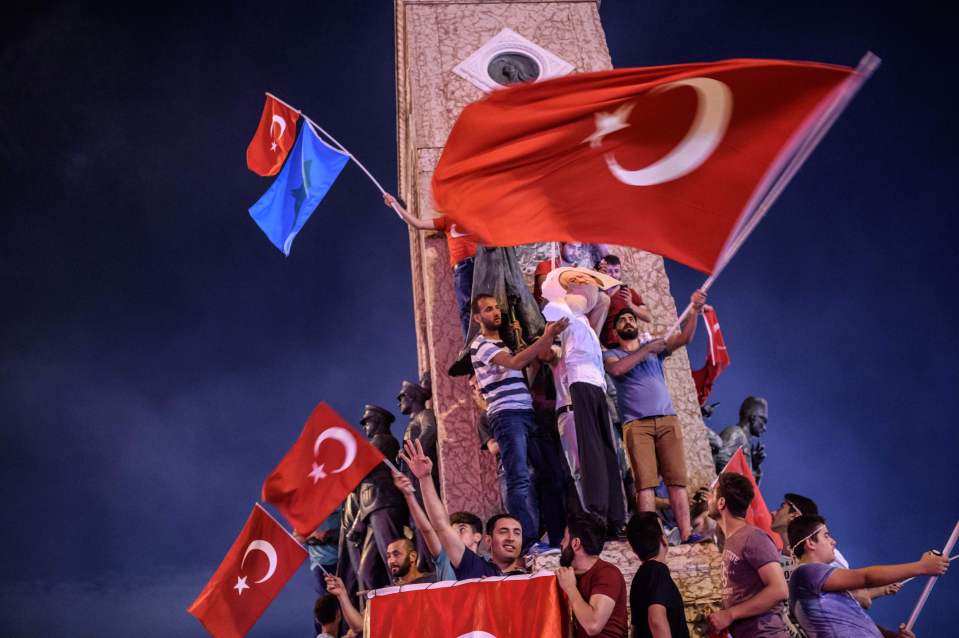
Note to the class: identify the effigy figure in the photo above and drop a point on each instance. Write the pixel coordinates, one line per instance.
(382, 511)
(753, 416)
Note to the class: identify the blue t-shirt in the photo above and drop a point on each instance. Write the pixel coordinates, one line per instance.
(642, 392)
(826, 614)
(474, 566)
(444, 570)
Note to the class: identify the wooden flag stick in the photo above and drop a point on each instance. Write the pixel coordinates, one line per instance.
(946, 551)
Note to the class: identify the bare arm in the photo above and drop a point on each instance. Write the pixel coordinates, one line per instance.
(878, 575)
(439, 518)
(353, 618)
(773, 592)
(658, 622)
(619, 367)
(422, 522)
(593, 615)
(688, 327)
(415, 222)
(523, 358)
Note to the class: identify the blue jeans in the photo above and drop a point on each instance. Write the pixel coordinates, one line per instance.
(463, 286)
(512, 429)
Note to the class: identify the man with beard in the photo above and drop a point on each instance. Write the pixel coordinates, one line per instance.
(401, 559)
(504, 534)
(652, 435)
(595, 588)
(509, 405)
(753, 586)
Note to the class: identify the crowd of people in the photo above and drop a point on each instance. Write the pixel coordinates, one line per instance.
(574, 404)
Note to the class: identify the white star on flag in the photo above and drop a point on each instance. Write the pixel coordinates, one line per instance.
(240, 585)
(273, 147)
(607, 123)
(317, 473)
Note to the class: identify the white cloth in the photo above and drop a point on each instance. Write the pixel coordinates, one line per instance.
(582, 353)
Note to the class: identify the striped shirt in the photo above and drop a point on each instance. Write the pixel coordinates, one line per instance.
(503, 388)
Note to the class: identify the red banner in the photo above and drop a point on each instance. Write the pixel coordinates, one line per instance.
(757, 514)
(510, 607)
(717, 359)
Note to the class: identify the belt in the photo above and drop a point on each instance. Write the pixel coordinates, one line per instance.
(564, 409)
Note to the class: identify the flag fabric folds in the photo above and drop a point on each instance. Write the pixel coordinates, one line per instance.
(717, 359)
(263, 557)
(306, 177)
(325, 464)
(669, 159)
(757, 514)
(476, 609)
(273, 137)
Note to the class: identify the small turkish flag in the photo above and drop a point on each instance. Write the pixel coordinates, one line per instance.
(757, 514)
(717, 359)
(326, 463)
(263, 557)
(273, 139)
(670, 159)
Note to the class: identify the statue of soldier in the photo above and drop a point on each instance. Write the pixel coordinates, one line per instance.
(382, 509)
(412, 399)
(753, 416)
(348, 553)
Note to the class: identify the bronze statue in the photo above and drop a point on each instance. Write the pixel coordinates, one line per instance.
(382, 511)
(753, 416)
(422, 426)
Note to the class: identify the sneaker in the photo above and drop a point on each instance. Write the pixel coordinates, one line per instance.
(673, 537)
(693, 539)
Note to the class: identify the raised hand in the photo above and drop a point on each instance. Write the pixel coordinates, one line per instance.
(416, 459)
(933, 564)
(334, 585)
(403, 483)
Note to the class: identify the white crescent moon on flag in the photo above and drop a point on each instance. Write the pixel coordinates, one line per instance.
(267, 549)
(278, 120)
(346, 440)
(476, 634)
(707, 130)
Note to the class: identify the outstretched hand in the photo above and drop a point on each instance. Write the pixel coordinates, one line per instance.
(403, 483)
(554, 328)
(933, 564)
(416, 459)
(334, 585)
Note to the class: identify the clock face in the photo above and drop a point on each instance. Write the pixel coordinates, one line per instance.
(511, 67)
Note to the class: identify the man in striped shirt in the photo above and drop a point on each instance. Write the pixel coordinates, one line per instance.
(509, 405)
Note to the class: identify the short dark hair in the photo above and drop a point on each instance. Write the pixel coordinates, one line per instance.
(625, 311)
(474, 306)
(496, 518)
(610, 259)
(410, 545)
(738, 492)
(467, 518)
(590, 529)
(804, 504)
(749, 403)
(325, 609)
(644, 534)
(801, 529)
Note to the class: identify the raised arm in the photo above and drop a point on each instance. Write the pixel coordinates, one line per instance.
(415, 222)
(878, 575)
(688, 327)
(423, 526)
(353, 618)
(617, 367)
(523, 358)
(439, 518)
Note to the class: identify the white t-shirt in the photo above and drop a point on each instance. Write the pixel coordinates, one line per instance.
(582, 354)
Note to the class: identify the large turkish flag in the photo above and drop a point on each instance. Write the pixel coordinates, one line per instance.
(273, 139)
(327, 462)
(669, 159)
(514, 606)
(263, 557)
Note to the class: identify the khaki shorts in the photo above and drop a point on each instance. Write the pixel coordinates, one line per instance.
(655, 447)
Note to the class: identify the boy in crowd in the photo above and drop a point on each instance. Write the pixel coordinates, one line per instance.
(655, 603)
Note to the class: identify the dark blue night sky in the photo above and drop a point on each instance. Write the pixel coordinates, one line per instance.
(159, 354)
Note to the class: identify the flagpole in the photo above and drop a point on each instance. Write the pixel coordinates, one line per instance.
(932, 579)
(867, 66)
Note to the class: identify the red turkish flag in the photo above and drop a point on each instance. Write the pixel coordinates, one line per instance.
(483, 609)
(273, 139)
(757, 514)
(670, 159)
(263, 557)
(717, 359)
(326, 463)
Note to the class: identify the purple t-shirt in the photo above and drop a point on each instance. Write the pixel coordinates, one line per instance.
(746, 551)
(642, 393)
(826, 614)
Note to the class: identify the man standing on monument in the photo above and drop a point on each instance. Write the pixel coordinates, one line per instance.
(753, 586)
(620, 298)
(509, 405)
(753, 416)
(652, 434)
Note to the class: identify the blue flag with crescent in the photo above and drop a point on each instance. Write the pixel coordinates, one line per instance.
(301, 185)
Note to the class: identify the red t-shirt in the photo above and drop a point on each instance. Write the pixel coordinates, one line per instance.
(461, 245)
(606, 579)
(616, 303)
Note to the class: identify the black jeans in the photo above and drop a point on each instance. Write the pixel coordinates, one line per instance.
(601, 480)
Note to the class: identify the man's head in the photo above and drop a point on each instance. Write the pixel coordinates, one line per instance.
(400, 557)
(812, 539)
(326, 610)
(469, 527)
(376, 420)
(755, 412)
(611, 265)
(504, 535)
(486, 312)
(626, 324)
(584, 536)
(645, 535)
(733, 493)
(571, 251)
(793, 506)
(411, 396)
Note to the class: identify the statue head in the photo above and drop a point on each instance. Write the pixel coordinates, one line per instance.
(754, 412)
(376, 420)
(412, 397)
